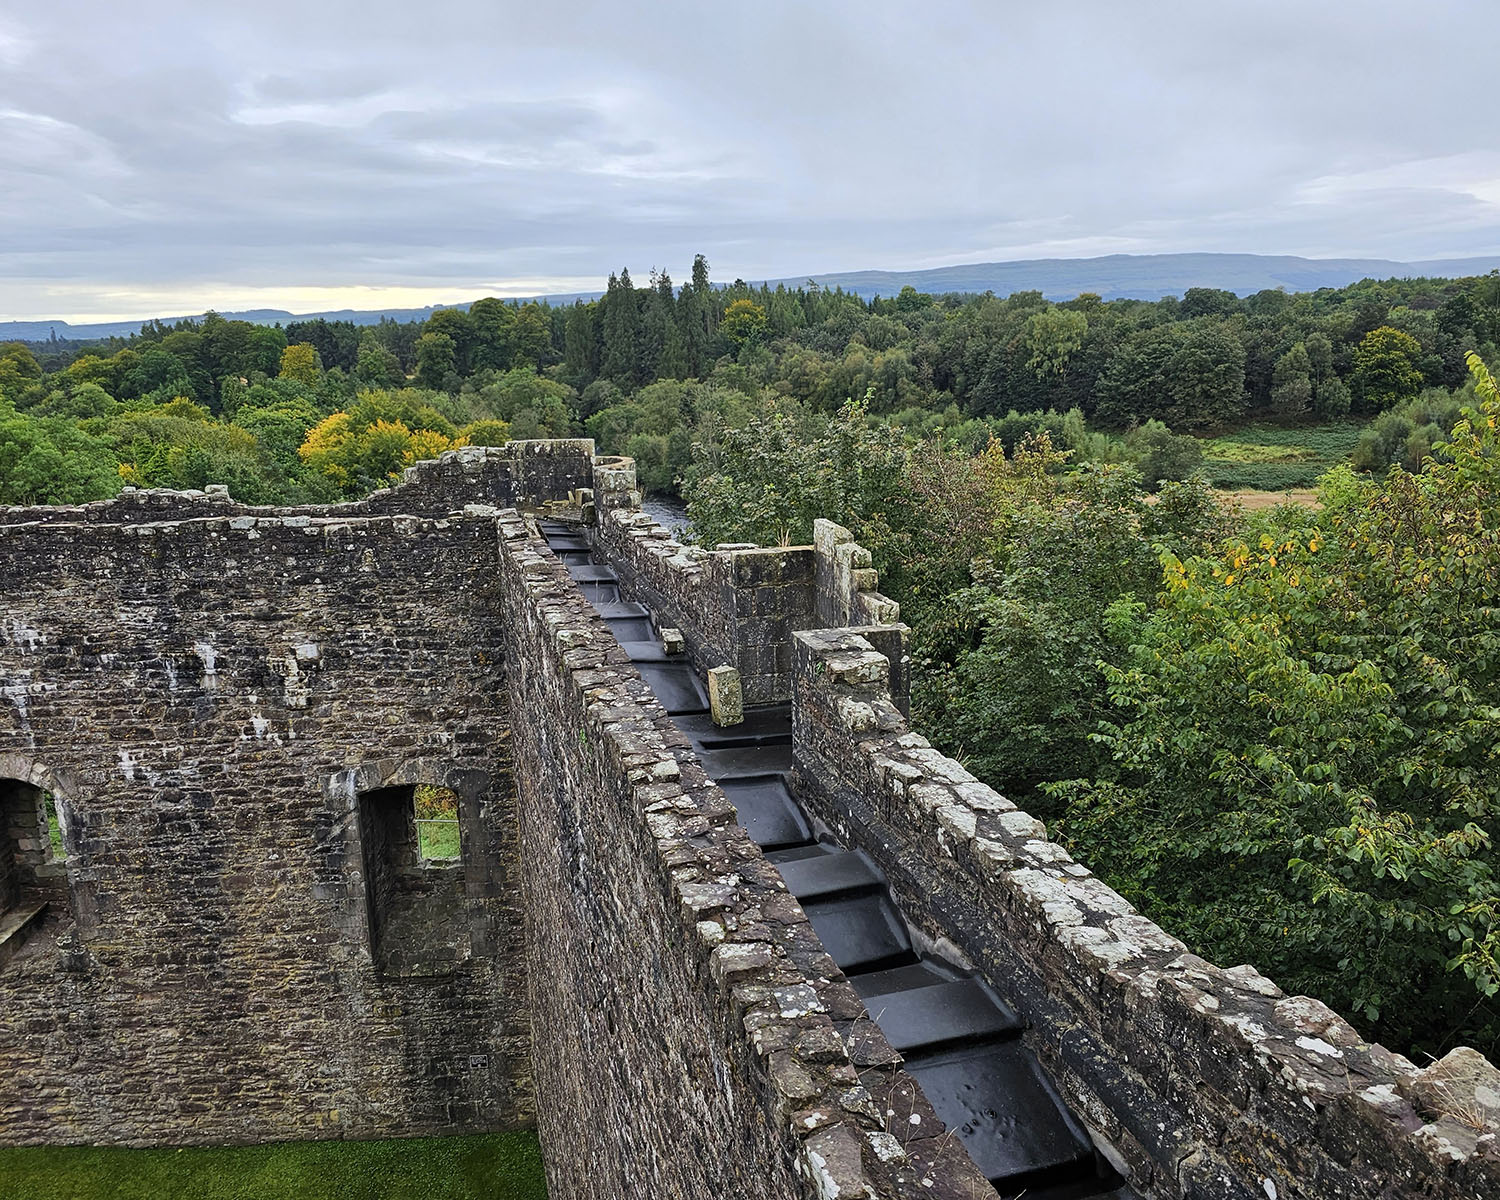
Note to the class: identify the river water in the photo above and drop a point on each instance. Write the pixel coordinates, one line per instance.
(668, 511)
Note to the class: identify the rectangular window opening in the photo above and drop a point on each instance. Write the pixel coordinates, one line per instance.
(415, 880)
(435, 813)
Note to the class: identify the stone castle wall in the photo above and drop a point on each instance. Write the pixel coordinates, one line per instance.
(737, 606)
(1202, 1082)
(526, 474)
(690, 1030)
(232, 711)
(1197, 1081)
(242, 943)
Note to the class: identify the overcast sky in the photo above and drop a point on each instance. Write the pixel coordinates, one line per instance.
(160, 157)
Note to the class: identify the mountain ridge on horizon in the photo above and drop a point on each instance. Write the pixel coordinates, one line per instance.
(1112, 276)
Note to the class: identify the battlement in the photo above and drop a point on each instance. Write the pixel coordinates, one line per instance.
(242, 937)
(1198, 1077)
(535, 475)
(738, 605)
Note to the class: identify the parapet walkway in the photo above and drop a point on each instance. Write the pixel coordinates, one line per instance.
(959, 1039)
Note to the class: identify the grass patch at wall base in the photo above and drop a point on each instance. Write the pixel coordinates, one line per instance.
(503, 1166)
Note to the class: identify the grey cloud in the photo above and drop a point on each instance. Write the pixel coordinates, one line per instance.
(342, 83)
(467, 143)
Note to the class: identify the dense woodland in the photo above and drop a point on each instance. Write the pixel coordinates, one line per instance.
(324, 409)
(1276, 732)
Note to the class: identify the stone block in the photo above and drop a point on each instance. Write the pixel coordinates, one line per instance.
(726, 701)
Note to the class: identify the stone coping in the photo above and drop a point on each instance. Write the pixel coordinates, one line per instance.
(752, 944)
(135, 505)
(1270, 1050)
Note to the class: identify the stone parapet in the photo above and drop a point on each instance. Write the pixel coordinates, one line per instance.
(690, 1029)
(1199, 1081)
(538, 475)
(736, 608)
(739, 604)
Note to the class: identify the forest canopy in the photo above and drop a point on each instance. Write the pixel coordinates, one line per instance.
(663, 367)
(1274, 732)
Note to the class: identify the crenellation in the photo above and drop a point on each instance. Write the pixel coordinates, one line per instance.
(244, 940)
(1234, 1072)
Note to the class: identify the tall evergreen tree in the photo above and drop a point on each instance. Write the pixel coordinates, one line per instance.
(581, 342)
(621, 330)
(695, 313)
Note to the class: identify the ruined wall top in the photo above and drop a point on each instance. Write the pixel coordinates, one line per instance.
(542, 474)
(739, 603)
(1203, 1073)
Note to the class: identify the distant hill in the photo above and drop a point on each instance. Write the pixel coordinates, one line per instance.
(1148, 276)
(40, 331)
(1114, 276)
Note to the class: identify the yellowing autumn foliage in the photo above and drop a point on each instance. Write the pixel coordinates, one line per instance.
(375, 440)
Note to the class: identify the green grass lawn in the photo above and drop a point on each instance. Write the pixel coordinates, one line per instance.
(1276, 457)
(502, 1166)
(438, 839)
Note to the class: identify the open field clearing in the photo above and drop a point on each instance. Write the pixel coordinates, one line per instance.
(1273, 458)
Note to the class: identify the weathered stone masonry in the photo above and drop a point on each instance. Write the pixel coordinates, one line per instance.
(693, 1038)
(1196, 1080)
(212, 698)
(227, 702)
(1202, 1082)
(242, 943)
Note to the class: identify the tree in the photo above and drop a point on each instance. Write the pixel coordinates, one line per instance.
(375, 439)
(1190, 374)
(581, 342)
(50, 461)
(337, 342)
(155, 371)
(20, 373)
(456, 325)
(695, 317)
(299, 363)
(769, 479)
(1385, 371)
(377, 367)
(1332, 400)
(533, 405)
(1405, 435)
(1291, 384)
(621, 330)
(1319, 347)
(909, 300)
(1161, 455)
(262, 354)
(530, 338)
(744, 323)
(1304, 747)
(484, 433)
(436, 360)
(1052, 336)
(80, 403)
(1208, 302)
(490, 321)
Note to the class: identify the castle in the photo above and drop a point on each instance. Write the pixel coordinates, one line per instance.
(719, 925)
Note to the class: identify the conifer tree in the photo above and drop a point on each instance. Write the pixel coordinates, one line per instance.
(621, 330)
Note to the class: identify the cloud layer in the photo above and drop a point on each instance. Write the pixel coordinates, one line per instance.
(170, 157)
